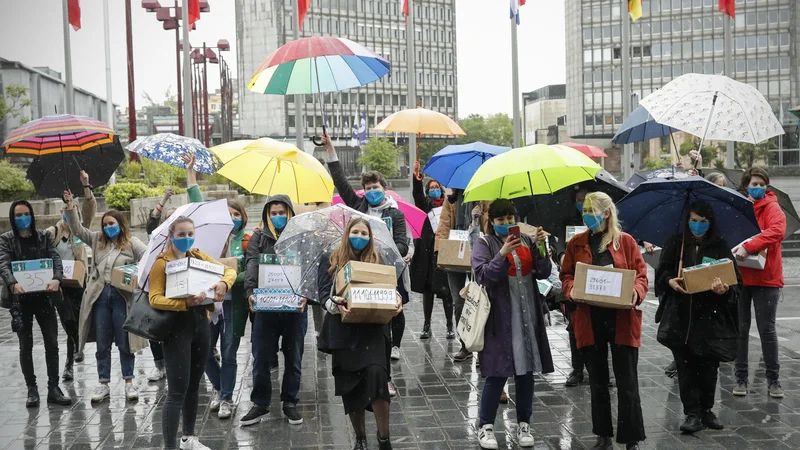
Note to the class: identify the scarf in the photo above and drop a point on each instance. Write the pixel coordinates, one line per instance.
(377, 211)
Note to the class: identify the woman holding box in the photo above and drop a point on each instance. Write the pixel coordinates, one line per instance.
(186, 351)
(604, 244)
(104, 305)
(701, 329)
(360, 351)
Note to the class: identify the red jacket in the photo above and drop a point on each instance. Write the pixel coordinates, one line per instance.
(772, 222)
(629, 321)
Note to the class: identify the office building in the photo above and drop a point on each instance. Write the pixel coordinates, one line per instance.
(544, 109)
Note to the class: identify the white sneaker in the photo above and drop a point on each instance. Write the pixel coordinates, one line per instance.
(392, 390)
(156, 375)
(524, 436)
(101, 393)
(214, 400)
(131, 393)
(192, 444)
(225, 410)
(395, 353)
(486, 437)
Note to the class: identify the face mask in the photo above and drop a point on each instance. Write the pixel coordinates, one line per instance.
(279, 222)
(237, 224)
(111, 231)
(435, 194)
(592, 221)
(375, 197)
(502, 230)
(579, 206)
(358, 243)
(183, 244)
(23, 222)
(757, 192)
(699, 228)
(64, 218)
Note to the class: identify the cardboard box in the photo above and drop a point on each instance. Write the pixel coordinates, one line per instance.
(234, 263)
(278, 281)
(606, 287)
(188, 277)
(276, 300)
(125, 278)
(74, 274)
(458, 235)
(372, 303)
(455, 256)
(699, 278)
(651, 259)
(757, 261)
(572, 230)
(544, 287)
(34, 274)
(358, 273)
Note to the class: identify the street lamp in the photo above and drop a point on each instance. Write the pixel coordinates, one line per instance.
(204, 56)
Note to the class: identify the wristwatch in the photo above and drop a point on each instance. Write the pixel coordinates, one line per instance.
(91, 188)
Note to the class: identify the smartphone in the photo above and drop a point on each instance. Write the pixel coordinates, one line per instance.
(514, 231)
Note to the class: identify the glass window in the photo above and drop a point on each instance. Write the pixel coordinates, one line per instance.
(698, 67)
(645, 29)
(751, 42)
(687, 49)
(656, 72)
(741, 66)
(598, 98)
(718, 22)
(646, 75)
(677, 70)
(752, 65)
(636, 30)
(773, 16)
(606, 54)
(750, 19)
(697, 48)
(786, 87)
(615, 11)
(637, 73)
(607, 98)
(719, 45)
(762, 18)
(773, 41)
(587, 99)
(598, 76)
(609, 119)
(708, 23)
(784, 16)
(617, 97)
(587, 13)
(616, 31)
(617, 53)
(598, 55)
(666, 49)
(676, 5)
(606, 32)
(665, 5)
(708, 68)
(763, 64)
(708, 46)
(596, 13)
(784, 62)
(606, 76)
(617, 75)
(588, 120)
(617, 119)
(773, 87)
(719, 67)
(762, 41)
(656, 50)
(687, 4)
(784, 39)
(666, 26)
(740, 43)
(605, 12)
(637, 51)
(656, 28)
(598, 119)
(698, 24)
(587, 56)
(647, 51)
(698, 3)
(587, 76)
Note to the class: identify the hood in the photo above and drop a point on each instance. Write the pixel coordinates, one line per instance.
(760, 205)
(267, 224)
(11, 215)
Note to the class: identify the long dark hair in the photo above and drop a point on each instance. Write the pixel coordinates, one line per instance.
(11, 215)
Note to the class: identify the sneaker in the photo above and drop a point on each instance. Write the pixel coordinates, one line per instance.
(741, 389)
(191, 443)
(56, 397)
(711, 421)
(156, 375)
(426, 332)
(214, 405)
(524, 436)
(462, 355)
(131, 393)
(291, 414)
(692, 424)
(68, 375)
(254, 416)
(101, 393)
(33, 397)
(217, 356)
(603, 443)
(574, 379)
(395, 354)
(450, 334)
(486, 437)
(775, 389)
(225, 410)
(392, 390)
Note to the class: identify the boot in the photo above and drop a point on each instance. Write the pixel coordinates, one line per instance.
(361, 443)
(33, 397)
(603, 443)
(693, 424)
(68, 372)
(384, 443)
(671, 370)
(426, 332)
(574, 379)
(56, 397)
(632, 446)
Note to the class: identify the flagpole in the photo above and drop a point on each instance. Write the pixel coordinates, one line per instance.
(627, 152)
(69, 95)
(109, 101)
(412, 82)
(298, 99)
(515, 79)
(188, 131)
(729, 71)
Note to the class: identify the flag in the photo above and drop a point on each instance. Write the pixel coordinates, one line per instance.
(302, 8)
(74, 14)
(404, 7)
(635, 9)
(362, 128)
(515, 4)
(194, 11)
(728, 7)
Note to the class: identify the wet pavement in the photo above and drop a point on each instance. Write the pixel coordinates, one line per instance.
(436, 408)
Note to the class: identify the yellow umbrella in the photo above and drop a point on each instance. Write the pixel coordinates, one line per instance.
(268, 167)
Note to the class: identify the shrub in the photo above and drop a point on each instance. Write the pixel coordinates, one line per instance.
(13, 184)
(130, 170)
(119, 195)
(381, 155)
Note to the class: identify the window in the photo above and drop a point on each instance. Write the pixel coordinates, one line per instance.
(587, 99)
(606, 76)
(708, 68)
(763, 41)
(647, 51)
(617, 53)
(449, 102)
(617, 75)
(656, 72)
(741, 66)
(666, 49)
(617, 97)
(587, 56)
(588, 120)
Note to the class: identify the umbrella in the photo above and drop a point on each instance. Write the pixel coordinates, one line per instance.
(267, 167)
(454, 165)
(537, 169)
(212, 226)
(310, 235)
(640, 177)
(658, 209)
(415, 217)
(640, 126)
(168, 148)
(589, 150)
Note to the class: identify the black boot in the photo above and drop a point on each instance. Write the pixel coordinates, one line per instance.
(693, 424)
(426, 332)
(78, 357)
(69, 375)
(671, 370)
(574, 379)
(384, 443)
(632, 446)
(450, 333)
(56, 397)
(361, 443)
(33, 397)
(711, 421)
(603, 443)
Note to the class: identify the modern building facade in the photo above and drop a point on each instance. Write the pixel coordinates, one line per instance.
(544, 108)
(262, 27)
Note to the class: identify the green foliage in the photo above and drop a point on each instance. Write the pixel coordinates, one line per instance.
(719, 164)
(654, 163)
(119, 195)
(381, 155)
(216, 179)
(709, 152)
(495, 129)
(130, 170)
(13, 185)
(155, 173)
(13, 101)
(747, 155)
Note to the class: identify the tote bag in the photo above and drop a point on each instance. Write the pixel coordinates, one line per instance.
(474, 315)
(145, 321)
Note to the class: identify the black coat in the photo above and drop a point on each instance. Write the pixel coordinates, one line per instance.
(11, 250)
(424, 275)
(705, 322)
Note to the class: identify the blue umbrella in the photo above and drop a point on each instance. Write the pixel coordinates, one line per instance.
(640, 126)
(454, 165)
(657, 210)
(168, 148)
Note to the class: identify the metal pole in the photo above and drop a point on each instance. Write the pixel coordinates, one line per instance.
(412, 79)
(131, 90)
(627, 153)
(178, 68)
(187, 68)
(70, 99)
(205, 94)
(109, 101)
(299, 125)
(729, 71)
(515, 81)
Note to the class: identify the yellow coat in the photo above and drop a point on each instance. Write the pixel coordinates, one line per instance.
(158, 281)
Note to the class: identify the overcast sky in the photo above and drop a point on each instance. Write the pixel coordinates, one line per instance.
(31, 32)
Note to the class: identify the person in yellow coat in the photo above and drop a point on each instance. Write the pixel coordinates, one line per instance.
(186, 349)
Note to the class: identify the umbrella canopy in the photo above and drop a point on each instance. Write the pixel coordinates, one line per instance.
(168, 148)
(454, 165)
(714, 107)
(589, 150)
(61, 133)
(415, 217)
(640, 177)
(658, 209)
(640, 126)
(212, 226)
(317, 64)
(310, 235)
(266, 166)
(538, 169)
(420, 121)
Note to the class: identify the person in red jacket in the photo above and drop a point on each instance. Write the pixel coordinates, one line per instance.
(596, 328)
(762, 288)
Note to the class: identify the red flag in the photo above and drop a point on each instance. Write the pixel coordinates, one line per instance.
(728, 7)
(74, 13)
(194, 11)
(405, 7)
(302, 7)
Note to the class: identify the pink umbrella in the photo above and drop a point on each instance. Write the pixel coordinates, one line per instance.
(589, 150)
(415, 217)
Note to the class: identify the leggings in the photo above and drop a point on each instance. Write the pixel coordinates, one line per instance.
(398, 328)
(427, 308)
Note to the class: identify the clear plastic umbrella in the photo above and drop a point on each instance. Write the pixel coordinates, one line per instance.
(308, 236)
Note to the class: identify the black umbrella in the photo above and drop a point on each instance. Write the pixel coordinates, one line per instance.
(640, 177)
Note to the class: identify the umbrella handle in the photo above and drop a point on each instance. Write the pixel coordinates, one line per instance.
(317, 140)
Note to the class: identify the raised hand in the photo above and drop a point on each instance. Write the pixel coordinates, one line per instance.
(84, 178)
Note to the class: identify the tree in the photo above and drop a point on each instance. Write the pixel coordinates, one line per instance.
(170, 101)
(746, 155)
(709, 152)
(381, 155)
(654, 163)
(13, 101)
(495, 129)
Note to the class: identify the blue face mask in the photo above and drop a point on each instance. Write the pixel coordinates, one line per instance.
(435, 194)
(592, 221)
(375, 197)
(279, 222)
(111, 231)
(699, 228)
(23, 222)
(579, 206)
(237, 224)
(502, 230)
(757, 192)
(358, 243)
(183, 244)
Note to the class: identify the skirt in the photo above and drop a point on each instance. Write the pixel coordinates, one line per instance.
(361, 375)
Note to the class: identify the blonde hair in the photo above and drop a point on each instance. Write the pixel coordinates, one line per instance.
(345, 253)
(601, 203)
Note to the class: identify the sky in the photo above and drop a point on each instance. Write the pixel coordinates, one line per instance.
(484, 57)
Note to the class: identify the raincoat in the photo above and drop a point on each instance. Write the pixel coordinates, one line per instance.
(772, 222)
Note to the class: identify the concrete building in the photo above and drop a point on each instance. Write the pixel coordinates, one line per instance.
(262, 27)
(544, 108)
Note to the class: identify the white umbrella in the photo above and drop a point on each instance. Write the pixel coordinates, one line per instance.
(714, 107)
(212, 226)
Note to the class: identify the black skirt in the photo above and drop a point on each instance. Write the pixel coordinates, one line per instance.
(361, 374)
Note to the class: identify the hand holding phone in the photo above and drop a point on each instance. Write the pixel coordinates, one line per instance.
(515, 231)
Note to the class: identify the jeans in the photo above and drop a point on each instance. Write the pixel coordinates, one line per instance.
(765, 302)
(223, 378)
(493, 389)
(185, 356)
(457, 280)
(69, 310)
(267, 328)
(110, 311)
(697, 380)
(157, 349)
(38, 306)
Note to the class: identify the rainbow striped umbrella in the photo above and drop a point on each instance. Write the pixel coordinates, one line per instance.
(57, 134)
